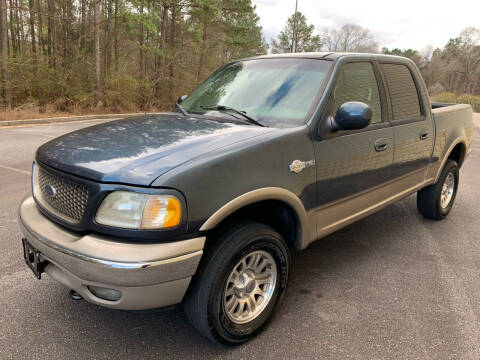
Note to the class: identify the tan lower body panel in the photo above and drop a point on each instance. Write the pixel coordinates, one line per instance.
(346, 211)
(132, 298)
(147, 275)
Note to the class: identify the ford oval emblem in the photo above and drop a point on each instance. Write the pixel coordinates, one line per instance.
(50, 190)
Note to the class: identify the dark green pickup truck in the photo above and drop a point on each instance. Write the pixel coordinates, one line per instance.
(202, 205)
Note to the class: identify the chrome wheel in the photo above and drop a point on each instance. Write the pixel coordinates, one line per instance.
(250, 287)
(447, 190)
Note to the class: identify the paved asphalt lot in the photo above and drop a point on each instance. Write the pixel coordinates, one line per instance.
(392, 285)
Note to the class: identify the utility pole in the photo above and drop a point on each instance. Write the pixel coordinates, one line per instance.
(294, 35)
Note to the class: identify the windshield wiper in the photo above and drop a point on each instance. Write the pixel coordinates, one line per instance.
(227, 108)
(182, 109)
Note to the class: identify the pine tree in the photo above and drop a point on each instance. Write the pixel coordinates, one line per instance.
(299, 32)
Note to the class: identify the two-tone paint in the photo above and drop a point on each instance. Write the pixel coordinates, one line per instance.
(219, 168)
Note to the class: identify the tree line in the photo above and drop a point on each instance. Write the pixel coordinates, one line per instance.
(127, 55)
(451, 73)
(452, 70)
(119, 54)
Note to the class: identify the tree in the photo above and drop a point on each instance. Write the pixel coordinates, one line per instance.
(4, 43)
(243, 35)
(408, 53)
(303, 37)
(469, 58)
(460, 60)
(124, 55)
(349, 38)
(96, 35)
(32, 31)
(51, 34)
(207, 13)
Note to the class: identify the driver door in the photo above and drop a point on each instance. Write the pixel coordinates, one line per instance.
(353, 165)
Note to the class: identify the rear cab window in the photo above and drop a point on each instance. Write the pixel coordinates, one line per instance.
(404, 96)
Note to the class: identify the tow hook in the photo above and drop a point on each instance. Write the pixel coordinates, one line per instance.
(75, 295)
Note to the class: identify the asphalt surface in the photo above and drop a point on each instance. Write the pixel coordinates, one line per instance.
(392, 285)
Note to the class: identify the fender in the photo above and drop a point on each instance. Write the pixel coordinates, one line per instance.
(307, 228)
(461, 140)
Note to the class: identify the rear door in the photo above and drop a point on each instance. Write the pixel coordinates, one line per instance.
(350, 164)
(413, 130)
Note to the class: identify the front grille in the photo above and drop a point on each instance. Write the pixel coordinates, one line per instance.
(63, 198)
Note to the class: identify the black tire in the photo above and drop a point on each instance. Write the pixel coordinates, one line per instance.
(203, 303)
(429, 198)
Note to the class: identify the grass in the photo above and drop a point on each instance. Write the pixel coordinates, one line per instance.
(31, 111)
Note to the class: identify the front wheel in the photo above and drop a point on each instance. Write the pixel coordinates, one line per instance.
(436, 201)
(240, 283)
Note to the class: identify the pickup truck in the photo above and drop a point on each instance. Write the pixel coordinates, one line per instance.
(203, 205)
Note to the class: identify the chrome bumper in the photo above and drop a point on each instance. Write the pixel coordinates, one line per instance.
(147, 275)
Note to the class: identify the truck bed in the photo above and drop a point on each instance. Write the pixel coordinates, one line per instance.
(452, 122)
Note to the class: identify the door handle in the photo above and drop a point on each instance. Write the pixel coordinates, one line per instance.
(381, 145)
(423, 135)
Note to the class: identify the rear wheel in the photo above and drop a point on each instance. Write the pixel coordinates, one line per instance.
(436, 201)
(240, 284)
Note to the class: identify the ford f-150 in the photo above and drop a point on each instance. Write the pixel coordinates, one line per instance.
(202, 205)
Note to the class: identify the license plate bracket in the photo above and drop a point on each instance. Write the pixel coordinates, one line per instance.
(33, 260)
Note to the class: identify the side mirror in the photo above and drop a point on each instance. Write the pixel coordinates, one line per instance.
(352, 115)
(181, 99)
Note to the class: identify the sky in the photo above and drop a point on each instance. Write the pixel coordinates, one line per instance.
(394, 24)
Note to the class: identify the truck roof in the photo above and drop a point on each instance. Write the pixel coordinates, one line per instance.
(331, 56)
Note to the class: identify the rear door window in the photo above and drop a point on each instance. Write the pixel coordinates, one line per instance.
(402, 90)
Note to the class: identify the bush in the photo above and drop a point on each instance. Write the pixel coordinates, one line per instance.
(470, 99)
(122, 93)
(446, 97)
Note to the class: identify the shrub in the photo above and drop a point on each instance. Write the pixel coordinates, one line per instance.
(445, 97)
(122, 93)
(470, 99)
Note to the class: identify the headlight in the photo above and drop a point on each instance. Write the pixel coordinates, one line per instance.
(130, 210)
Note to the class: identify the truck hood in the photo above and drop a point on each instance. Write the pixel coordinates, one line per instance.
(137, 150)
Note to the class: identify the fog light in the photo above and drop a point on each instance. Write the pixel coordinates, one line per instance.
(104, 293)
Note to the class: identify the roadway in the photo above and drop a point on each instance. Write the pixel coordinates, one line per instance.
(392, 285)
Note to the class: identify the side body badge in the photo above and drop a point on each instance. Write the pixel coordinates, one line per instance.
(297, 166)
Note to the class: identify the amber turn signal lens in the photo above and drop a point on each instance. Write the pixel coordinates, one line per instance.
(161, 212)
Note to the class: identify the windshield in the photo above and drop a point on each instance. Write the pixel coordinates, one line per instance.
(276, 92)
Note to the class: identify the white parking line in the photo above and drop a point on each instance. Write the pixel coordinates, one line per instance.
(14, 169)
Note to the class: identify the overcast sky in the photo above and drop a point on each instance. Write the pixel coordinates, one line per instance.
(403, 24)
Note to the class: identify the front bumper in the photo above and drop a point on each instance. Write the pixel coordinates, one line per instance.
(147, 275)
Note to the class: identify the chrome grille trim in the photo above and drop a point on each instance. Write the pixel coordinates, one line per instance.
(69, 200)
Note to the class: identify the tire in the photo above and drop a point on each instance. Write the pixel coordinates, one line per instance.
(429, 199)
(206, 301)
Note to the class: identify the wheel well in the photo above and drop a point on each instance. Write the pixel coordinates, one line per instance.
(274, 213)
(458, 154)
